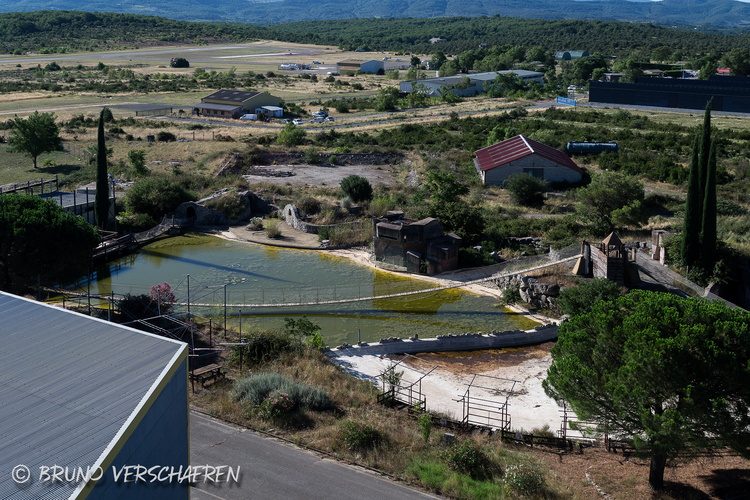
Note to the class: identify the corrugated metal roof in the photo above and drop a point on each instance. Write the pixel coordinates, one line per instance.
(232, 95)
(489, 76)
(518, 147)
(69, 385)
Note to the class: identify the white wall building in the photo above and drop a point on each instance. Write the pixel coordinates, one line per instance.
(521, 155)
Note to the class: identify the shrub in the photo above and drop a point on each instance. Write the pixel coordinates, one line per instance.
(524, 479)
(511, 295)
(164, 136)
(255, 224)
(231, 204)
(580, 300)
(333, 159)
(317, 341)
(262, 347)
(309, 205)
(313, 157)
(255, 390)
(467, 457)
(163, 296)
(358, 436)
(179, 62)
(526, 190)
(425, 425)
(357, 188)
(276, 405)
(156, 196)
(291, 135)
(272, 229)
(137, 307)
(135, 223)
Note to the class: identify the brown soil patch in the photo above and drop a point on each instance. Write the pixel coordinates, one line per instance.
(627, 478)
(469, 362)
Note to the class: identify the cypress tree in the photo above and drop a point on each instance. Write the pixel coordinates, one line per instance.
(691, 229)
(704, 151)
(101, 202)
(708, 220)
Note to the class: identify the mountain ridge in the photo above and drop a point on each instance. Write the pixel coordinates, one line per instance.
(720, 13)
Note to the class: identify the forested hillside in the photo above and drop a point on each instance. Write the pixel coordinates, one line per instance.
(665, 12)
(61, 31)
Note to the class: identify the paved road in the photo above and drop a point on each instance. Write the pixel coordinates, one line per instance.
(273, 469)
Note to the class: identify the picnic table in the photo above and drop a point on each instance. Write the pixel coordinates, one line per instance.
(204, 374)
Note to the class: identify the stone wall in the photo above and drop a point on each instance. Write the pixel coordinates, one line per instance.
(536, 293)
(293, 219)
(442, 343)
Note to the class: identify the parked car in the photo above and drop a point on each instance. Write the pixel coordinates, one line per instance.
(330, 118)
(320, 113)
(286, 120)
(317, 62)
(249, 116)
(318, 119)
(297, 121)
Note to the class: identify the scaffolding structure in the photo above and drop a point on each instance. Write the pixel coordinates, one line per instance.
(396, 389)
(479, 410)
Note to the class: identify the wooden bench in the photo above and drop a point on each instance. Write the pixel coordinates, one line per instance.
(205, 373)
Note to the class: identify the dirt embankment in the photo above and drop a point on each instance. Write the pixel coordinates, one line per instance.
(290, 168)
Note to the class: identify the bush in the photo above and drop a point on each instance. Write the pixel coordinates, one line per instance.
(255, 390)
(291, 135)
(317, 341)
(309, 205)
(231, 204)
(156, 196)
(511, 295)
(134, 223)
(580, 300)
(425, 425)
(262, 348)
(333, 159)
(276, 405)
(272, 229)
(357, 188)
(164, 136)
(255, 224)
(313, 157)
(179, 62)
(468, 458)
(524, 479)
(526, 190)
(358, 436)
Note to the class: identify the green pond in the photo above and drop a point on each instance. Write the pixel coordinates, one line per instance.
(251, 275)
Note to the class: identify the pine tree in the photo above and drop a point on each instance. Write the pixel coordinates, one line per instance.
(101, 202)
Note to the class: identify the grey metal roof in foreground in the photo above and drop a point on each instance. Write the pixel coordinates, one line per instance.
(69, 386)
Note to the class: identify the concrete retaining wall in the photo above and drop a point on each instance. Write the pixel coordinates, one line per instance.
(467, 342)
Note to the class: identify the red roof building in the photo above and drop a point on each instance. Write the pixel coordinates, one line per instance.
(521, 155)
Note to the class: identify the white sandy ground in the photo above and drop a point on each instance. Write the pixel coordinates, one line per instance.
(529, 407)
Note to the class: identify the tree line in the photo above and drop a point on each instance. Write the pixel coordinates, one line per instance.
(64, 31)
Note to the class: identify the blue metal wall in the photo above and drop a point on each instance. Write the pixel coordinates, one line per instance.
(161, 438)
(728, 93)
